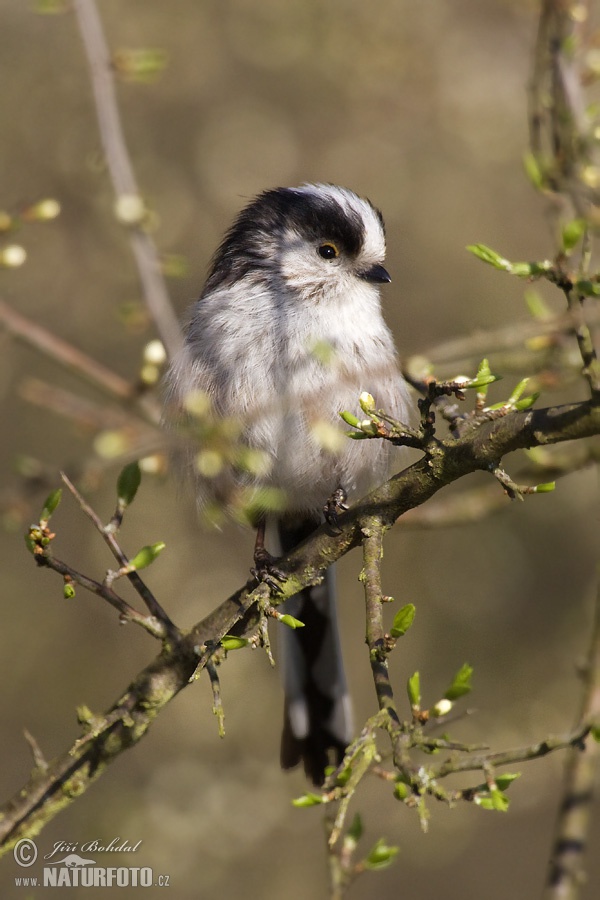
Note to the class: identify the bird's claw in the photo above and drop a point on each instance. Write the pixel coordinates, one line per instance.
(265, 570)
(335, 506)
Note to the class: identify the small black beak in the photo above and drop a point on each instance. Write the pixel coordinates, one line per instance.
(376, 275)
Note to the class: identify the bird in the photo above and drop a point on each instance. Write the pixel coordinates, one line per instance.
(287, 333)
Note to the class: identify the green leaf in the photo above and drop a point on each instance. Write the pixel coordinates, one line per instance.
(231, 642)
(595, 733)
(381, 856)
(147, 555)
(526, 402)
(495, 799)
(403, 620)
(504, 781)
(30, 543)
(52, 501)
(487, 255)
(307, 800)
(128, 483)
(461, 684)
(413, 688)
(482, 382)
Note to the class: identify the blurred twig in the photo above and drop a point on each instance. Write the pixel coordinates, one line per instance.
(560, 136)
(566, 871)
(65, 354)
(121, 171)
(568, 158)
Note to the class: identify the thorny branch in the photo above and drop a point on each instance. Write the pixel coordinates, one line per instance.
(181, 659)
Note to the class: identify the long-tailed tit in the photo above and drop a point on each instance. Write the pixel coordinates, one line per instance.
(287, 333)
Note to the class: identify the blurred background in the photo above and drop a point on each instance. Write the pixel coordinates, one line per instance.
(422, 108)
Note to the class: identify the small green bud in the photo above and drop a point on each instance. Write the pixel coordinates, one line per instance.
(381, 856)
(518, 391)
(401, 791)
(413, 688)
(572, 232)
(84, 715)
(231, 642)
(307, 800)
(545, 488)
(146, 555)
(30, 543)
(52, 501)
(526, 402)
(68, 591)
(291, 621)
(367, 402)
(461, 683)
(350, 419)
(128, 483)
(403, 620)
(533, 171)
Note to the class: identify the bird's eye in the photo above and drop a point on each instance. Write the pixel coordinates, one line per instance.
(328, 251)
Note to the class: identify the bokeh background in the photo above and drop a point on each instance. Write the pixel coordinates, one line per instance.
(421, 107)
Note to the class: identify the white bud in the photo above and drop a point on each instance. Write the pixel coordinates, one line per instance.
(442, 707)
(155, 353)
(12, 256)
(130, 209)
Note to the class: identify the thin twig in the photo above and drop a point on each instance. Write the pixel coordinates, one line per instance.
(143, 590)
(121, 171)
(128, 614)
(507, 757)
(64, 353)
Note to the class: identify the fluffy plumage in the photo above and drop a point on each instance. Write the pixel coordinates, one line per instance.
(287, 333)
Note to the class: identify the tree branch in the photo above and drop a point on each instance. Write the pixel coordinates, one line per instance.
(130, 717)
(121, 171)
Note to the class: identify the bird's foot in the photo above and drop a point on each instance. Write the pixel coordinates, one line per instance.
(265, 570)
(335, 506)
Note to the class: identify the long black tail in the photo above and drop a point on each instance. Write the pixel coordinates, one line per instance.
(317, 714)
